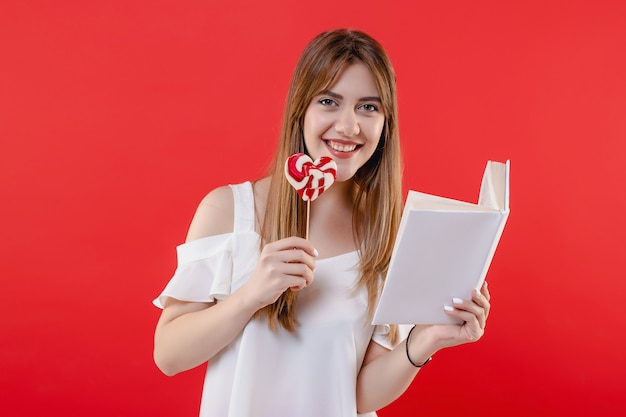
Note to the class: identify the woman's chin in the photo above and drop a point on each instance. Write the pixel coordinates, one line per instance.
(344, 176)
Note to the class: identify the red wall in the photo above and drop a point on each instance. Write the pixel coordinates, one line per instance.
(117, 117)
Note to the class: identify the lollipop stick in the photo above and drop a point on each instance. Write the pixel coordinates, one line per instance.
(310, 178)
(308, 210)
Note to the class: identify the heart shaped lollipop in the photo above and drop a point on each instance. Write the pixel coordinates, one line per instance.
(310, 179)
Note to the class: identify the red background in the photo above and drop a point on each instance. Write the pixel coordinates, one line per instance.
(117, 117)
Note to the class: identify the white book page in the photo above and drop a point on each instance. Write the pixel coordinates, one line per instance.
(441, 255)
(423, 201)
(443, 250)
(494, 187)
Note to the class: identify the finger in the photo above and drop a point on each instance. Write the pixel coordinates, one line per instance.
(473, 308)
(298, 287)
(297, 243)
(296, 256)
(481, 300)
(299, 271)
(485, 291)
(297, 281)
(470, 329)
(464, 315)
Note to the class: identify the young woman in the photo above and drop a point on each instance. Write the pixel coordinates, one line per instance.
(285, 322)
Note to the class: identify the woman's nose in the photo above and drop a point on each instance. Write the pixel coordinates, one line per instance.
(347, 124)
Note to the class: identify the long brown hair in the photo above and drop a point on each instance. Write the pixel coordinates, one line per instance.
(377, 184)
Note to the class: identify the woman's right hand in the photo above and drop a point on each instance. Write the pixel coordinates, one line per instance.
(286, 263)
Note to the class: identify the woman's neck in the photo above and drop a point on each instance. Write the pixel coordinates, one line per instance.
(330, 221)
(330, 217)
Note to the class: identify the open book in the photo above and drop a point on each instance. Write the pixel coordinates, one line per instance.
(443, 250)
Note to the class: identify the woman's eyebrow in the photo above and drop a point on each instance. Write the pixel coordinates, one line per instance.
(340, 97)
(371, 98)
(332, 94)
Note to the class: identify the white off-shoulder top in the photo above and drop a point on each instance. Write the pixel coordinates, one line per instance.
(263, 373)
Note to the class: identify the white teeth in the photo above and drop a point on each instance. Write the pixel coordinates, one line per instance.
(341, 147)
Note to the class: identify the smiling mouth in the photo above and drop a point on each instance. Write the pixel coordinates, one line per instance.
(342, 147)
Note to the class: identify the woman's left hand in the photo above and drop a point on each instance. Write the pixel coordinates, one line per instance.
(473, 313)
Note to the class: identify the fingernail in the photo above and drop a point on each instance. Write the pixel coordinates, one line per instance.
(478, 294)
(448, 308)
(315, 252)
(457, 301)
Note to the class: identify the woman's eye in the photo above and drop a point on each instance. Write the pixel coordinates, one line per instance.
(327, 102)
(370, 107)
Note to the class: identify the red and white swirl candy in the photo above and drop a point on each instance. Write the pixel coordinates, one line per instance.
(310, 179)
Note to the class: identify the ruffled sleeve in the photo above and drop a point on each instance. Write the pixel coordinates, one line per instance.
(381, 335)
(204, 272)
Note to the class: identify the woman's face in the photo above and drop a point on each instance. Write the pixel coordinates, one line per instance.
(346, 121)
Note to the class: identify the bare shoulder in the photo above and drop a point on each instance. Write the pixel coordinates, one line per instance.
(214, 215)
